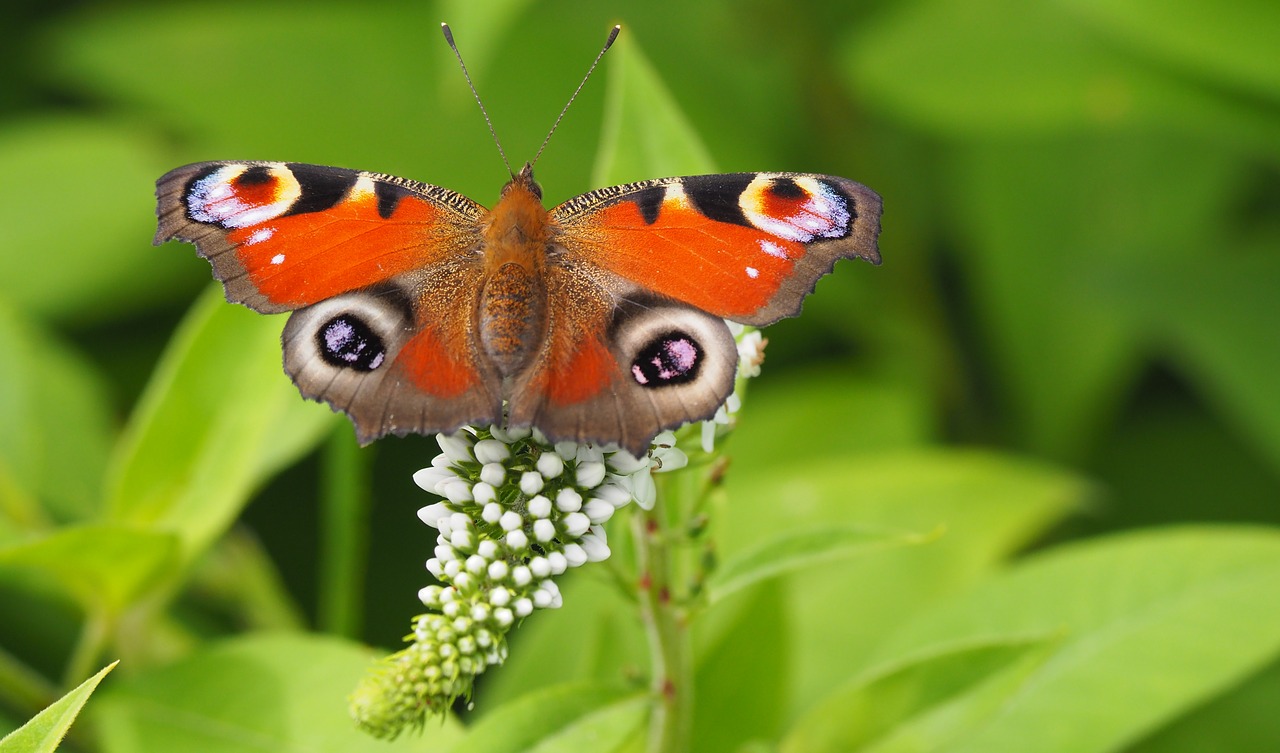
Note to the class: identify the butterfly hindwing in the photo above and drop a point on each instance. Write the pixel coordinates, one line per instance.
(744, 246)
(620, 364)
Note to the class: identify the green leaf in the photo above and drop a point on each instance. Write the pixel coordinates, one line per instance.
(45, 731)
(1243, 720)
(645, 133)
(922, 703)
(1172, 618)
(752, 630)
(1062, 235)
(801, 548)
(96, 258)
(1217, 322)
(1004, 67)
(607, 643)
(217, 419)
(989, 506)
(1233, 42)
(562, 719)
(57, 427)
(105, 568)
(269, 693)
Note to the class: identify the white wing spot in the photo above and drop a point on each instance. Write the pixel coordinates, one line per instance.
(752, 272)
(260, 235)
(277, 259)
(773, 249)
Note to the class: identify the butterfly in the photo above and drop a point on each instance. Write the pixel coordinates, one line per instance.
(417, 310)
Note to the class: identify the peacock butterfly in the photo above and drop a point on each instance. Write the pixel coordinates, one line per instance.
(417, 310)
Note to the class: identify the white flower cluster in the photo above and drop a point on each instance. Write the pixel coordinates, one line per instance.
(517, 512)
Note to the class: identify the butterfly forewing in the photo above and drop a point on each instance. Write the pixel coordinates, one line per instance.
(744, 246)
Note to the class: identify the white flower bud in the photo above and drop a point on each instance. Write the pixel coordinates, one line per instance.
(523, 607)
(431, 514)
(499, 597)
(625, 463)
(544, 530)
(503, 616)
(445, 553)
(487, 549)
(467, 644)
(493, 473)
(452, 568)
(531, 483)
(596, 547)
(549, 465)
(461, 540)
(477, 565)
(483, 492)
(480, 613)
(491, 451)
(567, 450)
(559, 563)
(614, 494)
(435, 567)
(541, 599)
(521, 576)
(430, 596)
(498, 570)
(429, 478)
(576, 524)
(463, 581)
(456, 447)
(539, 567)
(491, 513)
(517, 540)
(575, 555)
(590, 474)
(511, 520)
(452, 608)
(568, 500)
(597, 510)
(539, 507)
(457, 490)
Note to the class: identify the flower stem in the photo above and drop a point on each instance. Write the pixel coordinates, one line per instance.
(667, 631)
(344, 527)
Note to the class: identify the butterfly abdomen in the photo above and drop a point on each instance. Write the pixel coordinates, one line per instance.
(511, 317)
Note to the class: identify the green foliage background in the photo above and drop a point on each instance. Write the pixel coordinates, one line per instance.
(1069, 361)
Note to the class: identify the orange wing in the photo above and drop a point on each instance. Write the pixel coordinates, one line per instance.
(744, 246)
(378, 271)
(282, 236)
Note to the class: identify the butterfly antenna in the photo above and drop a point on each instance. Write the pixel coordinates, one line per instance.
(448, 37)
(613, 34)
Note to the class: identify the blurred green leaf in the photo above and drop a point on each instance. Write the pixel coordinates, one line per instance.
(989, 506)
(77, 225)
(57, 428)
(1219, 321)
(1003, 67)
(103, 567)
(1061, 236)
(607, 644)
(923, 703)
(1171, 618)
(750, 635)
(562, 719)
(1232, 41)
(267, 692)
(645, 134)
(1243, 720)
(796, 549)
(44, 733)
(217, 419)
